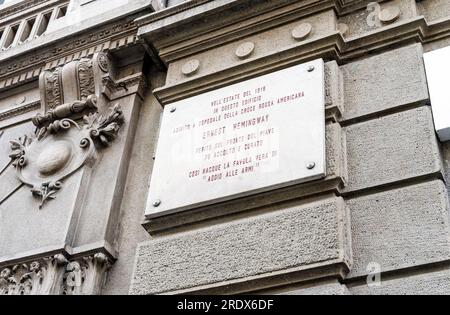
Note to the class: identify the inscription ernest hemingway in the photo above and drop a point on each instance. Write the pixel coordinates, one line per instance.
(229, 149)
(240, 139)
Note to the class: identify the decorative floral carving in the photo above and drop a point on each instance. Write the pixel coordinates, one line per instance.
(46, 191)
(4, 275)
(21, 279)
(50, 161)
(87, 275)
(103, 62)
(86, 78)
(53, 88)
(59, 125)
(18, 150)
(56, 275)
(19, 7)
(104, 129)
(43, 276)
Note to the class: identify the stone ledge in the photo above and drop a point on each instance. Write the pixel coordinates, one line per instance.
(246, 250)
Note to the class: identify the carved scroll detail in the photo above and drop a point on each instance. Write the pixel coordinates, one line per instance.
(18, 150)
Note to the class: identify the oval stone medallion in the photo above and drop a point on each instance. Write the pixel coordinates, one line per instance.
(54, 157)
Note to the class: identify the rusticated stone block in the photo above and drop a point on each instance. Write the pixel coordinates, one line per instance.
(400, 228)
(426, 283)
(291, 240)
(392, 148)
(334, 91)
(383, 82)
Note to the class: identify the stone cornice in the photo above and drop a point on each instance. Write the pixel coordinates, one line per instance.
(342, 6)
(19, 110)
(331, 47)
(180, 31)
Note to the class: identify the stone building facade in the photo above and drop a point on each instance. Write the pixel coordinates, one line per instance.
(83, 87)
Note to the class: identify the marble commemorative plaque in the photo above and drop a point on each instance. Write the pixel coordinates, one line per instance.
(250, 137)
(437, 65)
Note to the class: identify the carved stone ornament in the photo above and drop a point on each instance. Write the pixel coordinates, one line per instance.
(62, 146)
(68, 135)
(74, 81)
(103, 62)
(86, 276)
(56, 275)
(302, 31)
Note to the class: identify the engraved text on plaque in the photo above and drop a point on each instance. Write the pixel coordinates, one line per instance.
(253, 136)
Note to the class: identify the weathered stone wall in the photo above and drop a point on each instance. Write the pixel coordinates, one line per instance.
(390, 178)
(376, 224)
